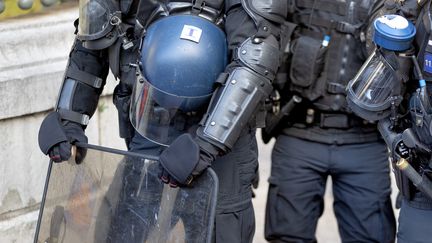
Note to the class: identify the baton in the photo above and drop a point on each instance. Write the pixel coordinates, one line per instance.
(421, 182)
(284, 111)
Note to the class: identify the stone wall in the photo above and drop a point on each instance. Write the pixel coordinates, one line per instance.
(33, 56)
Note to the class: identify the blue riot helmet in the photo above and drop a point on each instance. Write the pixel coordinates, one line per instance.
(181, 58)
(378, 84)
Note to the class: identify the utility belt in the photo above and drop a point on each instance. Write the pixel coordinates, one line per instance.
(329, 127)
(314, 117)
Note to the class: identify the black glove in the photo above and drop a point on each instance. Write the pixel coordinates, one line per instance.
(56, 138)
(184, 160)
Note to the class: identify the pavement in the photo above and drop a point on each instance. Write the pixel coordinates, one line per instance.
(327, 231)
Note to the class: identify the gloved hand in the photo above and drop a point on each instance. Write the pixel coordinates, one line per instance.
(184, 160)
(56, 138)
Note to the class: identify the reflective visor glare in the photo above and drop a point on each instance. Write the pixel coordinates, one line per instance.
(374, 85)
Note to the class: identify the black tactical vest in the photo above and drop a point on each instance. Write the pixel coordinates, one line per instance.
(149, 11)
(423, 45)
(317, 72)
(423, 41)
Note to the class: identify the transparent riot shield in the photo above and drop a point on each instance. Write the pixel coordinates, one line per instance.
(117, 196)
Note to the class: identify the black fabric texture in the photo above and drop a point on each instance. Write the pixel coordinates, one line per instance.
(166, 178)
(361, 190)
(414, 224)
(56, 138)
(75, 132)
(235, 35)
(121, 100)
(51, 132)
(307, 61)
(181, 157)
(85, 98)
(235, 227)
(60, 152)
(319, 73)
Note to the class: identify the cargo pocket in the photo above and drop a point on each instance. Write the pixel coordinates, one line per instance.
(306, 65)
(235, 226)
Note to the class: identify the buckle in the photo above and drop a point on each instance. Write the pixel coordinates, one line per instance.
(189, 180)
(198, 5)
(97, 82)
(345, 27)
(336, 88)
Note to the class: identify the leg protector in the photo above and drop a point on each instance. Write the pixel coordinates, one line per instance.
(236, 103)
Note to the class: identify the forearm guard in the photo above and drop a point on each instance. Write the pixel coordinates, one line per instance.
(238, 100)
(256, 61)
(83, 83)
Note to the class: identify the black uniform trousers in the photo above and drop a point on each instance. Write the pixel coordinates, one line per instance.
(361, 190)
(414, 223)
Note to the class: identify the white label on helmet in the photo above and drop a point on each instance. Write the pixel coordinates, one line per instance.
(191, 33)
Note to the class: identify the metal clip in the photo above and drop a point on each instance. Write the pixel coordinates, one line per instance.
(116, 21)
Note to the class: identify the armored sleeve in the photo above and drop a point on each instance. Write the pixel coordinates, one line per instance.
(83, 82)
(253, 29)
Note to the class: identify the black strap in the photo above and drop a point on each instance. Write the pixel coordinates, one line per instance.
(197, 6)
(313, 34)
(84, 77)
(348, 28)
(230, 3)
(340, 26)
(222, 78)
(339, 8)
(330, 119)
(73, 116)
(335, 88)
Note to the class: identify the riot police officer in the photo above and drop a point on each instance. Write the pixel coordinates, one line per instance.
(416, 209)
(319, 136)
(405, 123)
(185, 92)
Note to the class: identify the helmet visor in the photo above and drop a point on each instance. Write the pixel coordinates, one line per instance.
(374, 85)
(160, 116)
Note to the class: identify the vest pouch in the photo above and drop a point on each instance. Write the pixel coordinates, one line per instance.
(307, 61)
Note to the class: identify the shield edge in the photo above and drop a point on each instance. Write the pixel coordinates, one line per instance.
(211, 172)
